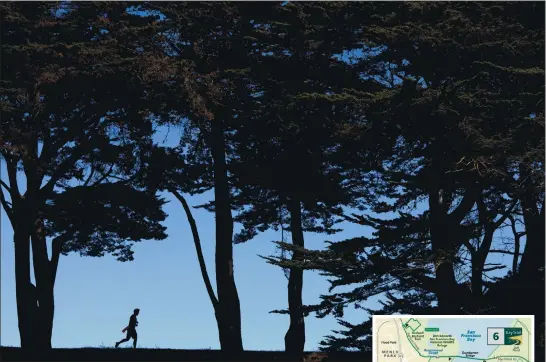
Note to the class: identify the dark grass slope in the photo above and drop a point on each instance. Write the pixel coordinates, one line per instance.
(129, 354)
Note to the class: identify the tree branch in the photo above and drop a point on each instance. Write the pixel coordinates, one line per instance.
(483, 214)
(6, 206)
(517, 237)
(5, 186)
(494, 268)
(91, 174)
(469, 246)
(53, 147)
(104, 176)
(489, 230)
(63, 168)
(12, 176)
(174, 46)
(506, 214)
(198, 249)
(464, 206)
(60, 172)
(56, 248)
(501, 251)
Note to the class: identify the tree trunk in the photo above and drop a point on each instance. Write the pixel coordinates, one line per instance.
(479, 256)
(35, 304)
(22, 215)
(444, 251)
(228, 315)
(294, 340)
(198, 249)
(530, 276)
(477, 280)
(24, 290)
(44, 328)
(448, 300)
(532, 260)
(43, 275)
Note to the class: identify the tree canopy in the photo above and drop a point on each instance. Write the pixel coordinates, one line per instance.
(421, 122)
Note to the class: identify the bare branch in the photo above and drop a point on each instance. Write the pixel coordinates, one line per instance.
(494, 268)
(464, 206)
(5, 186)
(501, 251)
(506, 214)
(104, 176)
(91, 174)
(12, 176)
(6, 206)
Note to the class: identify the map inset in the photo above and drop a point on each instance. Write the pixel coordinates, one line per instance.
(461, 338)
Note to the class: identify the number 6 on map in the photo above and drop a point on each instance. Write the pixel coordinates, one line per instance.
(493, 336)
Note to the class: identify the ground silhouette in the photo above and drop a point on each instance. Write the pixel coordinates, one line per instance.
(126, 354)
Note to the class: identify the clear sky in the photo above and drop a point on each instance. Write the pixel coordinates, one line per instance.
(94, 297)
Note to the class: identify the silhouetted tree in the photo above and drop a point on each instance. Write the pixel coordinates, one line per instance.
(71, 133)
(426, 117)
(170, 172)
(460, 93)
(286, 174)
(208, 40)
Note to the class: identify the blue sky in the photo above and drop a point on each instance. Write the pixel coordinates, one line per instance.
(94, 297)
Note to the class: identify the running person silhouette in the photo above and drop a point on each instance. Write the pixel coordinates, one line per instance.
(131, 329)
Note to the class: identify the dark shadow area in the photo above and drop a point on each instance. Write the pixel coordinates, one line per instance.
(129, 354)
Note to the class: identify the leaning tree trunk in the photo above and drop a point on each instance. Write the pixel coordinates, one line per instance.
(198, 249)
(228, 315)
(294, 340)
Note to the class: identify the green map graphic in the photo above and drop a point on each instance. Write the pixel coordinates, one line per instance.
(453, 338)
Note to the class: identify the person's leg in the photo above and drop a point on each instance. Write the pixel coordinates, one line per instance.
(122, 341)
(134, 339)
